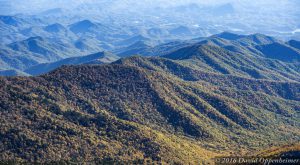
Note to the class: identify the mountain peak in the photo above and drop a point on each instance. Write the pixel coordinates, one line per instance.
(294, 44)
(86, 22)
(138, 38)
(82, 26)
(139, 44)
(54, 28)
(36, 38)
(229, 36)
(32, 44)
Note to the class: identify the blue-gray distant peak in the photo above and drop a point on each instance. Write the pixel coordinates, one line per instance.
(55, 28)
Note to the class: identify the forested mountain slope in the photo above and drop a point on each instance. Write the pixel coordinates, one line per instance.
(138, 107)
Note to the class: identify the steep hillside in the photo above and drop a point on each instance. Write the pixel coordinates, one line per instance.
(143, 108)
(280, 52)
(126, 125)
(216, 59)
(257, 45)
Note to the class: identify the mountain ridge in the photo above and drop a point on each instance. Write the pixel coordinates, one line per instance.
(97, 58)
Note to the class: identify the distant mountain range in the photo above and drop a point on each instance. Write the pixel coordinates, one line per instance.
(252, 54)
(50, 36)
(195, 18)
(35, 50)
